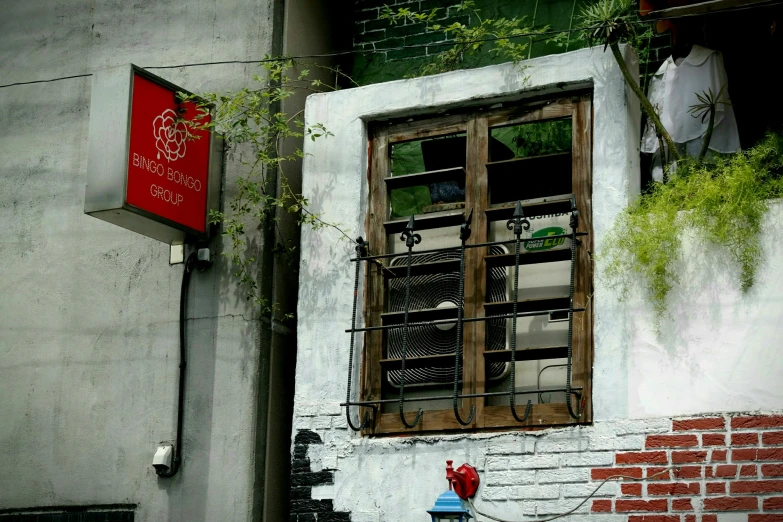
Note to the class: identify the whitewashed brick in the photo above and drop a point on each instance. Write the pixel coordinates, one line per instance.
(556, 507)
(563, 475)
(588, 459)
(329, 462)
(323, 492)
(609, 489)
(497, 463)
(533, 492)
(339, 422)
(510, 478)
(561, 444)
(365, 516)
(534, 462)
(628, 442)
(508, 448)
(330, 408)
(303, 423)
(641, 426)
(306, 410)
(510, 510)
(489, 493)
(595, 517)
(322, 423)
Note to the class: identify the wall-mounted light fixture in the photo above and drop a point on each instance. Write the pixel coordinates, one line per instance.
(463, 484)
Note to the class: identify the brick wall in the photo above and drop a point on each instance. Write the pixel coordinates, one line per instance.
(730, 464)
(733, 464)
(304, 508)
(371, 33)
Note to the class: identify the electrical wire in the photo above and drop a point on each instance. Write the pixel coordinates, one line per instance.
(190, 264)
(607, 479)
(346, 52)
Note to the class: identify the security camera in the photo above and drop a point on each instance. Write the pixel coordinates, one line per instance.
(162, 459)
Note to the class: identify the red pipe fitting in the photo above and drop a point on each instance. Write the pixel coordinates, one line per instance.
(464, 480)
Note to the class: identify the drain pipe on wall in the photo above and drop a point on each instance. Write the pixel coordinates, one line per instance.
(167, 465)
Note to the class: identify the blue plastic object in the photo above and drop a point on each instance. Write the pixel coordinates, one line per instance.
(449, 507)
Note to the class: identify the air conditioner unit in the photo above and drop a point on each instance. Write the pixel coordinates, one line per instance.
(440, 290)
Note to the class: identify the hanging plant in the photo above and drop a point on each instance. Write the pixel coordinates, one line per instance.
(724, 202)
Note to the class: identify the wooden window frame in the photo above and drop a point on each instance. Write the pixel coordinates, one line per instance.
(476, 125)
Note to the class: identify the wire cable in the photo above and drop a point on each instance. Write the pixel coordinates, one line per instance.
(190, 264)
(570, 511)
(346, 52)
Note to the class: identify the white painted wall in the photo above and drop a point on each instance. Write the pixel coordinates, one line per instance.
(89, 312)
(717, 352)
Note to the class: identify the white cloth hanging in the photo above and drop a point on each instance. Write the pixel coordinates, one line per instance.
(673, 91)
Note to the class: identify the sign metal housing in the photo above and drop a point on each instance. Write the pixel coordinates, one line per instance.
(146, 171)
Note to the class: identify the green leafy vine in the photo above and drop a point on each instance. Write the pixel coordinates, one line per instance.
(507, 38)
(723, 202)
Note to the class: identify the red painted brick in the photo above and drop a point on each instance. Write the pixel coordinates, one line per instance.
(708, 472)
(726, 471)
(715, 488)
(713, 439)
(772, 438)
(652, 474)
(748, 470)
(642, 457)
(673, 488)
(760, 421)
(709, 518)
(690, 518)
(687, 472)
(744, 439)
(679, 457)
(765, 518)
(654, 518)
(625, 506)
(718, 455)
(757, 486)
(672, 441)
(773, 504)
(772, 470)
(602, 506)
(710, 423)
(731, 504)
(603, 473)
(682, 504)
(756, 454)
(633, 490)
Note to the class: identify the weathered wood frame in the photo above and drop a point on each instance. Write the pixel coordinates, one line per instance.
(476, 125)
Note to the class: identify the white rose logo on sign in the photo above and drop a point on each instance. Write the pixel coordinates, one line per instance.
(170, 137)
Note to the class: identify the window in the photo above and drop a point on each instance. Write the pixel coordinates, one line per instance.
(439, 170)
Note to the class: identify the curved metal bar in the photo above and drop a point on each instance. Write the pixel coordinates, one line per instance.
(464, 234)
(410, 239)
(361, 250)
(574, 222)
(517, 224)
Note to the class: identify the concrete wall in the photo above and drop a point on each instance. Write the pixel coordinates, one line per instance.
(89, 312)
(716, 352)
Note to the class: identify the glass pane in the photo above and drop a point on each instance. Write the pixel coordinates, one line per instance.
(535, 139)
(416, 157)
(539, 163)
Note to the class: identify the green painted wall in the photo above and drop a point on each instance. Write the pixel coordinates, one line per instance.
(372, 34)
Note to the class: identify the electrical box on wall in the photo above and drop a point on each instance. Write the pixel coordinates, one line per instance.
(147, 171)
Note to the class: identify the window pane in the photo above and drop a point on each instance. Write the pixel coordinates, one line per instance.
(539, 164)
(423, 156)
(535, 139)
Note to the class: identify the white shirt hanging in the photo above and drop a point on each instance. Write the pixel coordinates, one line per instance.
(673, 91)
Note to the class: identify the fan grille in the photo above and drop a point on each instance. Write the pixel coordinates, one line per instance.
(432, 291)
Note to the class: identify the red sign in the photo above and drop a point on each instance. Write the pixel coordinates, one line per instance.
(168, 163)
